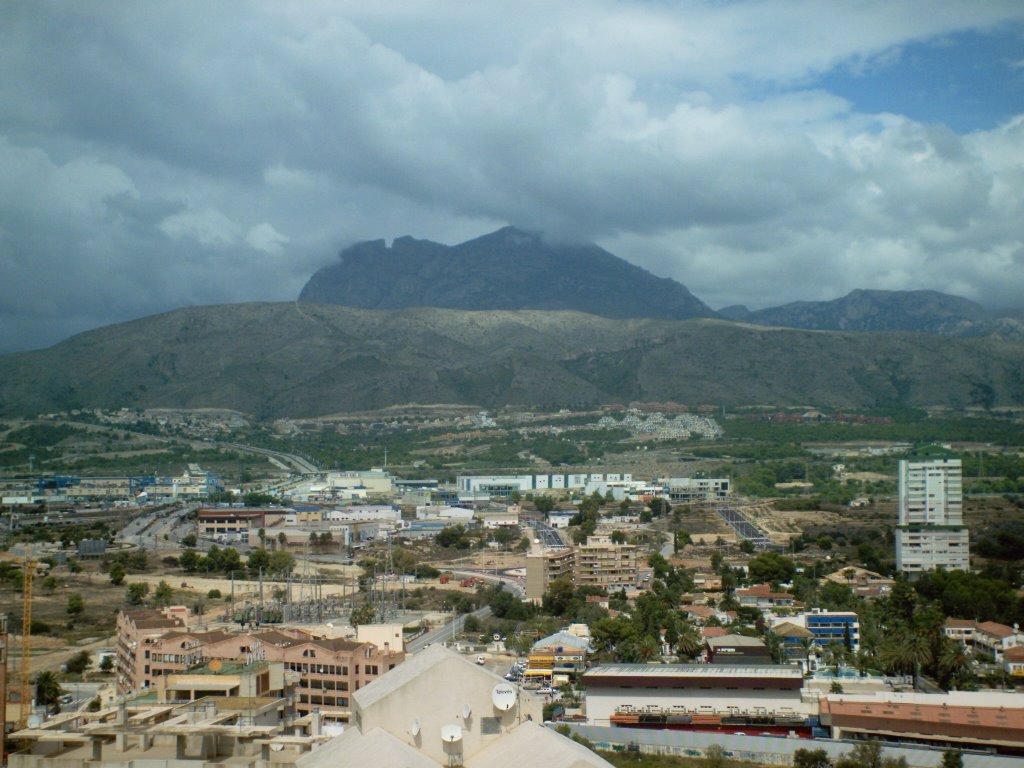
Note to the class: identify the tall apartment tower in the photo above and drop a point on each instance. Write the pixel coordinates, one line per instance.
(931, 532)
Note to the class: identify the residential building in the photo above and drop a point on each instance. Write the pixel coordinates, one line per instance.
(930, 532)
(827, 627)
(763, 596)
(137, 634)
(602, 563)
(864, 583)
(990, 637)
(326, 670)
(544, 566)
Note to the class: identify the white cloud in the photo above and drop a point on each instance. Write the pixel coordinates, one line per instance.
(208, 227)
(160, 145)
(263, 237)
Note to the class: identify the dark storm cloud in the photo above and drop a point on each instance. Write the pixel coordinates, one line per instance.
(186, 153)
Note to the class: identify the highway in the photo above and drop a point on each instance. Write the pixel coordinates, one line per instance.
(302, 465)
(743, 527)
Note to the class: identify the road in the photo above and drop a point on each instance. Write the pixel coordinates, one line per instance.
(548, 536)
(303, 465)
(743, 527)
(446, 632)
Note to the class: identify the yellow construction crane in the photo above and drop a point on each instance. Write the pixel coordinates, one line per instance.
(28, 569)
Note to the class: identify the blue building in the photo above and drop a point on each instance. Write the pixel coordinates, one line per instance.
(842, 627)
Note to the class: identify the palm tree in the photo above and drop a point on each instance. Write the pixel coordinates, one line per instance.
(954, 665)
(48, 690)
(648, 648)
(689, 643)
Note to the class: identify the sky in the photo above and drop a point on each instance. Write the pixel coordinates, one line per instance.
(166, 154)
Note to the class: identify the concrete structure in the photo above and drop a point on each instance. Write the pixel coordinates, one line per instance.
(930, 533)
(438, 709)
(243, 732)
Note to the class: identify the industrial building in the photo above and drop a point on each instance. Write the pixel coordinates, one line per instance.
(984, 720)
(717, 697)
(930, 532)
(505, 485)
(688, 489)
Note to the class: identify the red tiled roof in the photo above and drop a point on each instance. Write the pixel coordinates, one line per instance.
(1014, 654)
(714, 631)
(963, 722)
(996, 629)
(961, 623)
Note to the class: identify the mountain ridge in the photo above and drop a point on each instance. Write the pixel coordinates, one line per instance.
(506, 269)
(302, 359)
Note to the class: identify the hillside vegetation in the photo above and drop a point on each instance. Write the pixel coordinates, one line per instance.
(299, 359)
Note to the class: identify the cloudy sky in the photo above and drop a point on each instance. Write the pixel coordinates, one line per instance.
(162, 154)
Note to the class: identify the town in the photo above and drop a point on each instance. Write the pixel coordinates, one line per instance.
(293, 615)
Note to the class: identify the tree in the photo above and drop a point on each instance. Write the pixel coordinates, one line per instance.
(137, 593)
(811, 758)
(78, 663)
(189, 540)
(471, 624)
(505, 535)
(771, 567)
(544, 504)
(75, 605)
(559, 596)
(363, 614)
(163, 594)
(107, 663)
(952, 758)
(117, 574)
(49, 583)
(213, 594)
(747, 547)
(48, 690)
(189, 560)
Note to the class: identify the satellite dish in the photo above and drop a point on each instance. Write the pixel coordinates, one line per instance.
(451, 733)
(414, 727)
(466, 711)
(276, 746)
(503, 696)
(215, 665)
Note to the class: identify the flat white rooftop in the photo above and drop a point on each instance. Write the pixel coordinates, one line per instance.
(783, 671)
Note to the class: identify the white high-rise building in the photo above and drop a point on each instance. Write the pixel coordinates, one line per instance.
(931, 532)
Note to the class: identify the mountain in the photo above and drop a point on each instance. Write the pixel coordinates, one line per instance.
(297, 359)
(507, 269)
(920, 311)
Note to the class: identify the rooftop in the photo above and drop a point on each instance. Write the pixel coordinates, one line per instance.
(782, 671)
